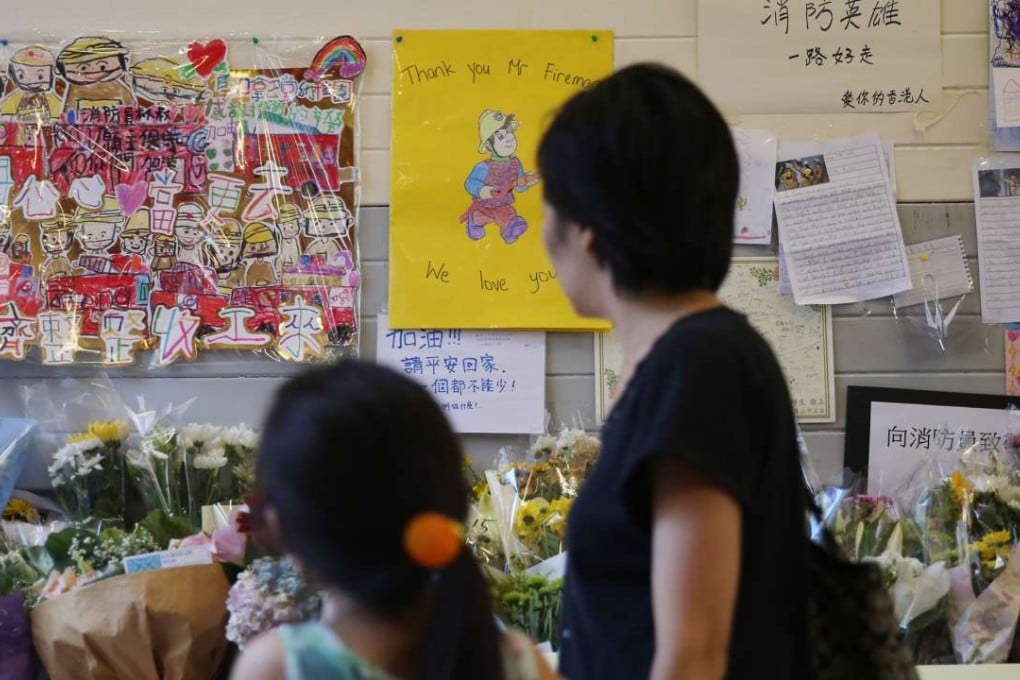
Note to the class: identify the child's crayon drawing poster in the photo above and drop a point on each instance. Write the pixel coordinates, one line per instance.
(469, 108)
(179, 197)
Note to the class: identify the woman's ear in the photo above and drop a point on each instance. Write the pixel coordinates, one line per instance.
(587, 239)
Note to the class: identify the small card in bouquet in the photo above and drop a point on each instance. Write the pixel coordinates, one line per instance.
(167, 559)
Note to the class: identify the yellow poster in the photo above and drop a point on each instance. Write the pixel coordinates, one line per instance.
(469, 108)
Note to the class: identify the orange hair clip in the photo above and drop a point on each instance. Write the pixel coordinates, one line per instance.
(433, 540)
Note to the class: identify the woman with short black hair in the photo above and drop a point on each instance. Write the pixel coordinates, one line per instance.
(687, 544)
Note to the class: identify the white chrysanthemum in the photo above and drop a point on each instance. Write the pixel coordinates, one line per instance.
(544, 447)
(85, 445)
(212, 460)
(240, 436)
(205, 433)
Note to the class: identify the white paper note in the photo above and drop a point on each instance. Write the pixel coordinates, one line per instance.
(838, 224)
(997, 209)
(485, 381)
(902, 436)
(756, 150)
(821, 56)
(938, 270)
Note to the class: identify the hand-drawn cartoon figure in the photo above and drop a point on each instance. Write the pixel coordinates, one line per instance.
(290, 236)
(223, 252)
(162, 81)
(97, 231)
(134, 244)
(164, 252)
(31, 71)
(327, 219)
(57, 238)
(21, 249)
(190, 233)
(94, 68)
(5, 230)
(260, 253)
(492, 182)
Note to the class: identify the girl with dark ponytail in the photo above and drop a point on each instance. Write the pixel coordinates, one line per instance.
(362, 480)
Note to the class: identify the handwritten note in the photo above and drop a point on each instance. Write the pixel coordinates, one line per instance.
(485, 381)
(757, 152)
(838, 224)
(938, 270)
(783, 56)
(800, 336)
(997, 208)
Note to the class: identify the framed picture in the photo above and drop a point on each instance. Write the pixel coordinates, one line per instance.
(892, 433)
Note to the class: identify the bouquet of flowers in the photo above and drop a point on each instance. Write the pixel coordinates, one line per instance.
(533, 498)
(518, 527)
(946, 545)
(269, 593)
(872, 529)
(181, 471)
(530, 604)
(89, 473)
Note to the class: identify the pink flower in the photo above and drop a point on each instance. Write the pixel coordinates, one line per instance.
(228, 545)
(198, 540)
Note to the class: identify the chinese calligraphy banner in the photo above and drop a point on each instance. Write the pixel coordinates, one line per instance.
(466, 209)
(485, 381)
(178, 197)
(801, 336)
(820, 56)
(894, 434)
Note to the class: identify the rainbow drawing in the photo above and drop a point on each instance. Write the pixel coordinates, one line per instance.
(344, 50)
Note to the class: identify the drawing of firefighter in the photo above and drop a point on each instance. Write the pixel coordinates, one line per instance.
(95, 68)
(57, 238)
(97, 232)
(492, 182)
(31, 71)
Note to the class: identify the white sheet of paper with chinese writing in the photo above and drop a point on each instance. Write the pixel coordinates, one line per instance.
(800, 336)
(938, 270)
(485, 381)
(838, 224)
(902, 435)
(997, 209)
(756, 150)
(792, 56)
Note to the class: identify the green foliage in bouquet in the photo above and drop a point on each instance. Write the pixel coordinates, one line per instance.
(530, 604)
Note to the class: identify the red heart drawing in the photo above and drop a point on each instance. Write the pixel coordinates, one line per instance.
(207, 57)
(1013, 335)
(131, 196)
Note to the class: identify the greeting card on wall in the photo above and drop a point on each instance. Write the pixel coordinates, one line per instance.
(800, 336)
(777, 56)
(485, 381)
(178, 197)
(466, 209)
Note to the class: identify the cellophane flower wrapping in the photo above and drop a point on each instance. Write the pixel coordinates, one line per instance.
(518, 526)
(986, 491)
(947, 544)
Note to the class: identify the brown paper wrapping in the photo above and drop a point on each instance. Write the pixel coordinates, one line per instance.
(157, 625)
